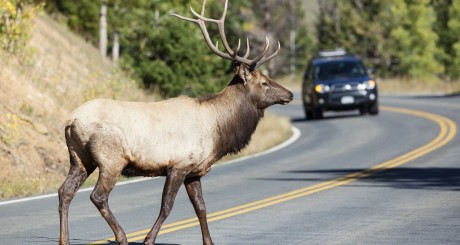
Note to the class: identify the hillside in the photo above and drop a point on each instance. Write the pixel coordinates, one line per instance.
(58, 72)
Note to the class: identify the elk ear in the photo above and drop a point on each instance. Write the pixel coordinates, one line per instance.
(245, 73)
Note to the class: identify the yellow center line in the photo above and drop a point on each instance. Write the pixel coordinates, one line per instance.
(447, 131)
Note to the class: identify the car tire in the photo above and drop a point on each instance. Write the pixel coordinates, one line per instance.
(316, 113)
(308, 114)
(374, 109)
(363, 110)
(306, 111)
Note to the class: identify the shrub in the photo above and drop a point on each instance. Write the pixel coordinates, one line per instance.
(15, 23)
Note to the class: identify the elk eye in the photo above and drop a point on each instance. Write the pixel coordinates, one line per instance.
(264, 84)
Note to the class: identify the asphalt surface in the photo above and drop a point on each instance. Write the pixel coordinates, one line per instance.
(417, 202)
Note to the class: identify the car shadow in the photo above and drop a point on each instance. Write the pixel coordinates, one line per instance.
(326, 118)
(434, 97)
(447, 179)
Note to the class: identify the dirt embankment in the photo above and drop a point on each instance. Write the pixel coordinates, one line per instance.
(56, 73)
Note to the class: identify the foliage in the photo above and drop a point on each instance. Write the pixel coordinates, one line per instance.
(169, 55)
(82, 16)
(396, 36)
(15, 23)
(282, 21)
(454, 27)
(11, 130)
(413, 40)
(446, 36)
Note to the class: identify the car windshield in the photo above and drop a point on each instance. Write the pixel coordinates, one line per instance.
(336, 69)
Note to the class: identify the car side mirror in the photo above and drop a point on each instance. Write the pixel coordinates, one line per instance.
(372, 70)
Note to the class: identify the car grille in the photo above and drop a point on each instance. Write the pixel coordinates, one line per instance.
(344, 87)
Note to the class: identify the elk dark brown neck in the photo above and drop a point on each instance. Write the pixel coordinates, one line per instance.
(237, 117)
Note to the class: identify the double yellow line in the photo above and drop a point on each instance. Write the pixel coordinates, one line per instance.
(447, 131)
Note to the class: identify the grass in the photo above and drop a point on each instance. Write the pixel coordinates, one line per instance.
(57, 72)
(408, 86)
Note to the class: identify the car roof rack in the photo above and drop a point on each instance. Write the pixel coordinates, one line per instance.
(332, 53)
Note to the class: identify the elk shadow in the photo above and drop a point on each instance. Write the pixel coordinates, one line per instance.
(447, 179)
(54, 240)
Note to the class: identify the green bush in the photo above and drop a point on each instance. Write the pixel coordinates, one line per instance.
(15, 23)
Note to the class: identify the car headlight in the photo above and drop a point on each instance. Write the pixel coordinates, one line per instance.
(321, 88)
(369, 84)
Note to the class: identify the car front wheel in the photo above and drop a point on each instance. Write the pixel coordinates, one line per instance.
(316, 113)
(374, 109)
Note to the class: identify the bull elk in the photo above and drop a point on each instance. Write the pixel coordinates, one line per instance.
(180, 138)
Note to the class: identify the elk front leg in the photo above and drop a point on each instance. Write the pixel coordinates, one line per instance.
(173, 182)
(193, 186)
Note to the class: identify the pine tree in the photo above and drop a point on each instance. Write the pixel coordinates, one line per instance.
(454, 29)
(170, 55)
(446, 36)
(412, 39)
(364, 31)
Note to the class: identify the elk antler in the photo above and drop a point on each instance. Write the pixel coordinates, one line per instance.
(230, 54)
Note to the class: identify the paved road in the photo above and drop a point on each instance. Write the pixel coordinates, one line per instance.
(289, 195)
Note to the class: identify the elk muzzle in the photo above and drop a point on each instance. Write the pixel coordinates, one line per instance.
(283, 95)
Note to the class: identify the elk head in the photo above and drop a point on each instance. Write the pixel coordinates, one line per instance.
(262, 90)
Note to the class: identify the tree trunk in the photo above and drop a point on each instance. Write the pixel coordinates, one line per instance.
(103, 28)
(292, 38)
(266, 25)
(116, 47)
(338, 28)
(116, 41)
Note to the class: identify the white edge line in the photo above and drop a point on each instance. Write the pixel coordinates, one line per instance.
(295, 136)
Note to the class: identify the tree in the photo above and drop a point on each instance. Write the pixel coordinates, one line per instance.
(446, 36)
(82, 16)
(454, 29)
(15, 23)
(413, 41)
(116, 35)
(280, 20)
(103, 28)
(168, 54)
(395, 35)
(171, 56)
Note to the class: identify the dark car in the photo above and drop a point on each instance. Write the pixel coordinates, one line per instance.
(338, 81)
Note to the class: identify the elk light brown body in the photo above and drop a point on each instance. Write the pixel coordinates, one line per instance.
(178, 138)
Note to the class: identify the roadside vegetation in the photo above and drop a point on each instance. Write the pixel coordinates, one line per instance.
(414, 45)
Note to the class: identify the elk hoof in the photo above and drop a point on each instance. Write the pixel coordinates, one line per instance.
(148, 240)
(64, 242)
(121, 238)
(122, 241)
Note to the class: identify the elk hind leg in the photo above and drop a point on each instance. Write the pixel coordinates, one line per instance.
(78, 173)
(174, 180)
